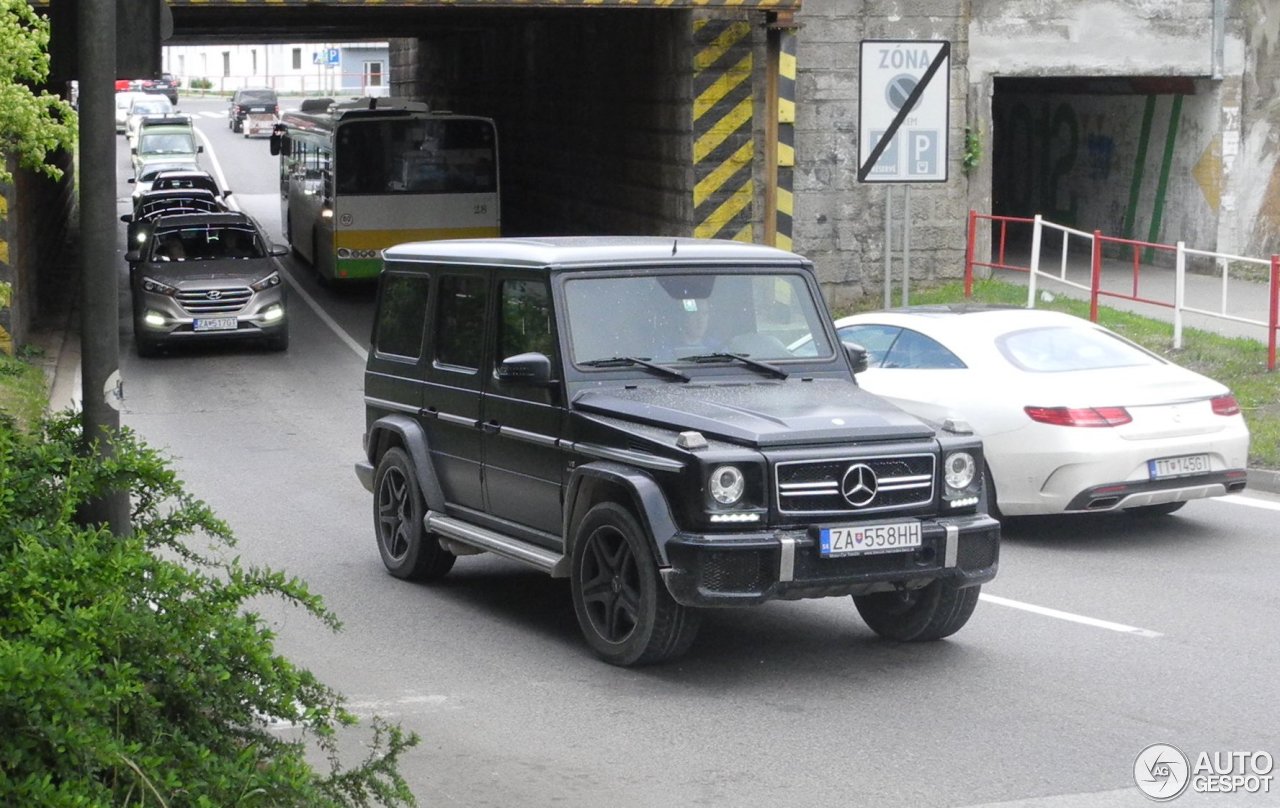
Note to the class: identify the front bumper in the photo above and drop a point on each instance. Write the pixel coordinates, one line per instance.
(746, 569)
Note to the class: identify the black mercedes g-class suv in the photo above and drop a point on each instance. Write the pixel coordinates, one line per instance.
(671, 424)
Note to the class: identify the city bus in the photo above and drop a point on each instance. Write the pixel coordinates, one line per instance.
(358, 176)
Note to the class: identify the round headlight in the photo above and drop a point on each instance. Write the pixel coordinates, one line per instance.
(727, 485)
(960, 469)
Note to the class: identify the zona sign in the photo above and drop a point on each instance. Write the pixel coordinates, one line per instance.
(903, 110)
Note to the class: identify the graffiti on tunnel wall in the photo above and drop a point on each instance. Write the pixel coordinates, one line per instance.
(1092, 161)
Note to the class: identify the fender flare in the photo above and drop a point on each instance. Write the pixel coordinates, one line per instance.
(413, 438)
(646, 499)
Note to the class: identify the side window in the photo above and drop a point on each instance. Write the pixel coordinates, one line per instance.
(526, 320)
(402, 313)
(460, 321)
(914, 350)
(875, 338)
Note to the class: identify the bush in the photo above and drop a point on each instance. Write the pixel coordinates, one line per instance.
(131, 672)
(201, 84)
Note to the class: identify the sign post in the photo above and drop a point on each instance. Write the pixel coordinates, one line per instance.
(903, 120)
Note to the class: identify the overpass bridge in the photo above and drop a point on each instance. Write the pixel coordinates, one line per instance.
(667, 117)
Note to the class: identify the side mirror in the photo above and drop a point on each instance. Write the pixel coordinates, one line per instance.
(226, 194)
(134, 150)
(133, 256)
(199, 149)
(526, 368)
(279, 249)
(857, 356)
(127, 218)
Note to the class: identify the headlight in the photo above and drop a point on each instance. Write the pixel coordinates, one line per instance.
(727, 485)
(959, 470)
(152, 285)
(266, 283)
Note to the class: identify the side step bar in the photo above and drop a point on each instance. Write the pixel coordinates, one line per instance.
(549, 561)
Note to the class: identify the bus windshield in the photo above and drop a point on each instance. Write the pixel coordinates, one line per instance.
(415, 156)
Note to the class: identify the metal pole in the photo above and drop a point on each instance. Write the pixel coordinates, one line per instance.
(99, 296)
(906, 244)
(888, 244)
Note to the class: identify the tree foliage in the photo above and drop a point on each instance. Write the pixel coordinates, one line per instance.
(132, 671)
(32, 124)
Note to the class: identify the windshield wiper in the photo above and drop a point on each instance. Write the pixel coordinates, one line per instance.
(755, 364)
(642, 361)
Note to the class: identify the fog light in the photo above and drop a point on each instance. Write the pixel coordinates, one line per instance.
(154, 318)
(273, 313)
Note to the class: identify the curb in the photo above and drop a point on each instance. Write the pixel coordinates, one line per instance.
(1264, 480)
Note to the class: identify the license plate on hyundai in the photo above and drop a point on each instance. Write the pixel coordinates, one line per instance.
(215, 324)
(890, 537)
(1178, 466)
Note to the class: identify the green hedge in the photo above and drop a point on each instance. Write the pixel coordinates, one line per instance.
(132, 671)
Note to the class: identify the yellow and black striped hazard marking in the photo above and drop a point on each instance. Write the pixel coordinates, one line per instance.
(785, 215)
(723, 148)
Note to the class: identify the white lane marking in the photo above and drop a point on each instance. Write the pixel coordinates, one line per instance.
(217, 167)
(297, 287)
(1251, 502)
(1068, 616)
(324, 317)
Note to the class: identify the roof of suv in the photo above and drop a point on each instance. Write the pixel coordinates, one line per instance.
(584, 251)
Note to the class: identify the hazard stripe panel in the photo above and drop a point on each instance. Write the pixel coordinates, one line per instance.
(723, 148)
(785, 214)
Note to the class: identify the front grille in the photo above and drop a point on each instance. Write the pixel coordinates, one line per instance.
(214, 301)
(873, 483)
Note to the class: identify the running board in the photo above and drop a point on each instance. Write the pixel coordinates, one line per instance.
(549, 561)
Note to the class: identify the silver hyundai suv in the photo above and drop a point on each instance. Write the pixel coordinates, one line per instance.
(207, 276)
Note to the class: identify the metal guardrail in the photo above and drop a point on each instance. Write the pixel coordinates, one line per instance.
(1136, 291)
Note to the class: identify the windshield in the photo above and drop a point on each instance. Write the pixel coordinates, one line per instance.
(1051, 350)
(171, 143)
(688, 318)
(207, 242)
(416, 156)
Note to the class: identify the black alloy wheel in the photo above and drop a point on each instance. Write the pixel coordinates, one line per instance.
(625, 611)
(408, 551)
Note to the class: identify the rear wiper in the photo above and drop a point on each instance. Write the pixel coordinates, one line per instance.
(755, 364)
(642, 361)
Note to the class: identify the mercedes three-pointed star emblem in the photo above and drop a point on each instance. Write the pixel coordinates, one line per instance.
(859, 484)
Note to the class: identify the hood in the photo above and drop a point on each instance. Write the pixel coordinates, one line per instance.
(203, 274)
(760, 414)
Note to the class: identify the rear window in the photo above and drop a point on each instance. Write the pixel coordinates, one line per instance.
(255, 97)
(1063, 348)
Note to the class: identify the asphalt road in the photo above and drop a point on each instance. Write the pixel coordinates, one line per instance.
(1099, 637)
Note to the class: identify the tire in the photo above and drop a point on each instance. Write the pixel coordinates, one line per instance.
(146, 348)
(919, 615)
(1165, 509)
(278, 343)
(624, 610)
(408, 551)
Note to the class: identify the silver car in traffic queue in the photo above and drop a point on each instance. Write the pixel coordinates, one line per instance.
(207, 277)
